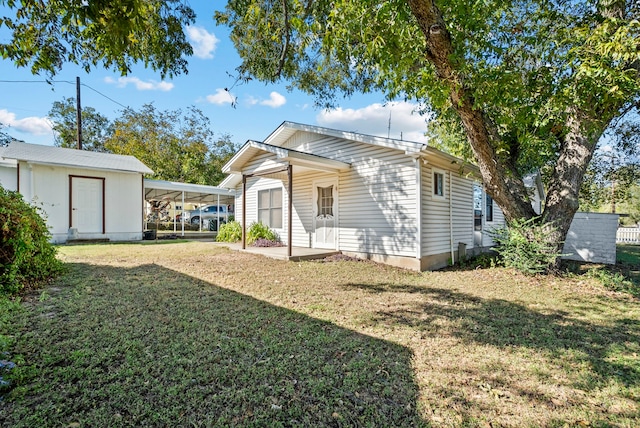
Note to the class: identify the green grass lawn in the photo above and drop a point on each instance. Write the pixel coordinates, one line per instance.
(191, 334)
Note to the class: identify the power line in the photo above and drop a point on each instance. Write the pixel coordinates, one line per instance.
(68, 82)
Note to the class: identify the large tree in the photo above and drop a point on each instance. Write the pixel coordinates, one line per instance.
(95, 126)
(177, 146)
(113, 34)
(529, 83)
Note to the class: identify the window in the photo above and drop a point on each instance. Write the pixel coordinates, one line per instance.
(325, 201)
(270, 207)
(438, 184)
(489, 208)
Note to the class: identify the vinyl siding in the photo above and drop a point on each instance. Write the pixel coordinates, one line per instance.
(376, 196)
(48, 186)
(436, 216)
(489, 226)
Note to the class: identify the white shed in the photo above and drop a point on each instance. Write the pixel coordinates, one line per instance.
(398, 202)
(84, 195)
(8, 176)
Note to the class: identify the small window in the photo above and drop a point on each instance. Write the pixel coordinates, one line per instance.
(489, 208)
(438, 184)
(270, 207)
(325, 201)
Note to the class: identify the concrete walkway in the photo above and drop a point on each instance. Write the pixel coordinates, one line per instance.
(280, 253)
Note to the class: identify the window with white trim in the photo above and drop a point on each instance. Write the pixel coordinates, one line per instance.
(489, 216)
(270, 207)
(325, 201)
(438, 183)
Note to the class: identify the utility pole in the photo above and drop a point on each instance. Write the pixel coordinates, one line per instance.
(78, 113)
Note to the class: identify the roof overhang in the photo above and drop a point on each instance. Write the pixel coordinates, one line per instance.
(287, 129)
(284, 157)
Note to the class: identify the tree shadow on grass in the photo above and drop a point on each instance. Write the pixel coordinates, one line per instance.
(504, 324)
(148, 346)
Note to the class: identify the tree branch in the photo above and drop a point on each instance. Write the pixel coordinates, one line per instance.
(287, 37)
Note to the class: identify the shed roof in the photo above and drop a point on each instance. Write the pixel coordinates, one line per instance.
(7, 163)
(50, 155)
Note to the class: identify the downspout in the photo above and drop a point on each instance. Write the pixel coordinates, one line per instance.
(32, 185)
(418, 164)
(451, 219)
(289, 209)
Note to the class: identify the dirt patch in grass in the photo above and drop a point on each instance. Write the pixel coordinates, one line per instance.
(193, 334)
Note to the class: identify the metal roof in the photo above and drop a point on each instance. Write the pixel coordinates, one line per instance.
(8, 163)
(50, 155)
(172, 190)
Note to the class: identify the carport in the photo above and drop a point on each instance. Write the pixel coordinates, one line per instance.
(171, 191)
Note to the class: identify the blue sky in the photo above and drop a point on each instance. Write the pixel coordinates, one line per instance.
(260, 108)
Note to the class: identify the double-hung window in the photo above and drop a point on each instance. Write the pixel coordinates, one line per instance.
(438, 184)
(270, 207)
(489, 208)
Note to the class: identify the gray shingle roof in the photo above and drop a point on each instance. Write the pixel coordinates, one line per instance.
(50, 155)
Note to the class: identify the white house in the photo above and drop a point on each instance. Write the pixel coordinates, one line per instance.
(398, 202)
(85, 195)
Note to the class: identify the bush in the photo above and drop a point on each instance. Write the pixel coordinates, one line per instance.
(526, 247)
(27, 258)
(261, 231)
(230, 232)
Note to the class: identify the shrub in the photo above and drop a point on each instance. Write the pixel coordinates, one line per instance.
(230, 232)
(27, 258)
(614, 281)
(525, 246)
(260, 230)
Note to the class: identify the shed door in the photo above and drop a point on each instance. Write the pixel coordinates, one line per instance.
(86, 204)
(325, 201)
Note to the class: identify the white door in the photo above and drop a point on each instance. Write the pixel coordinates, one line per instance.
(325, 210)
(86, 204)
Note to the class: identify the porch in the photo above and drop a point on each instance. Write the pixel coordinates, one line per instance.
(281, 253)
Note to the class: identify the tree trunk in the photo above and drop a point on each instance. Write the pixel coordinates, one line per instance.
(501, 179)
(575, 154)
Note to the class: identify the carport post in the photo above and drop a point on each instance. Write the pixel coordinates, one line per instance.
(290, 207)
(182, 215)
(244, 212)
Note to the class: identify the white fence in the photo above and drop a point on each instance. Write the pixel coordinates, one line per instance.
(628, 235)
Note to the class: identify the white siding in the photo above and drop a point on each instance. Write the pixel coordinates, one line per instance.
(462, 210)
(48, 187)
(8, 176)
(489, 226)
(377, 195)
(254, 185)
(435, 215)
(592, 238)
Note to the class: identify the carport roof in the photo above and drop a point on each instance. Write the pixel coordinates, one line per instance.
(159, 189)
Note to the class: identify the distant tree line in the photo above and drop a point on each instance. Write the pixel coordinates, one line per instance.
(177, 145)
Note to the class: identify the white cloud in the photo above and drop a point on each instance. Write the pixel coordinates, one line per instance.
(406, 122)
(28, 125)
(140, 85)
(203, 42)
(222, 96)
(275, 100)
